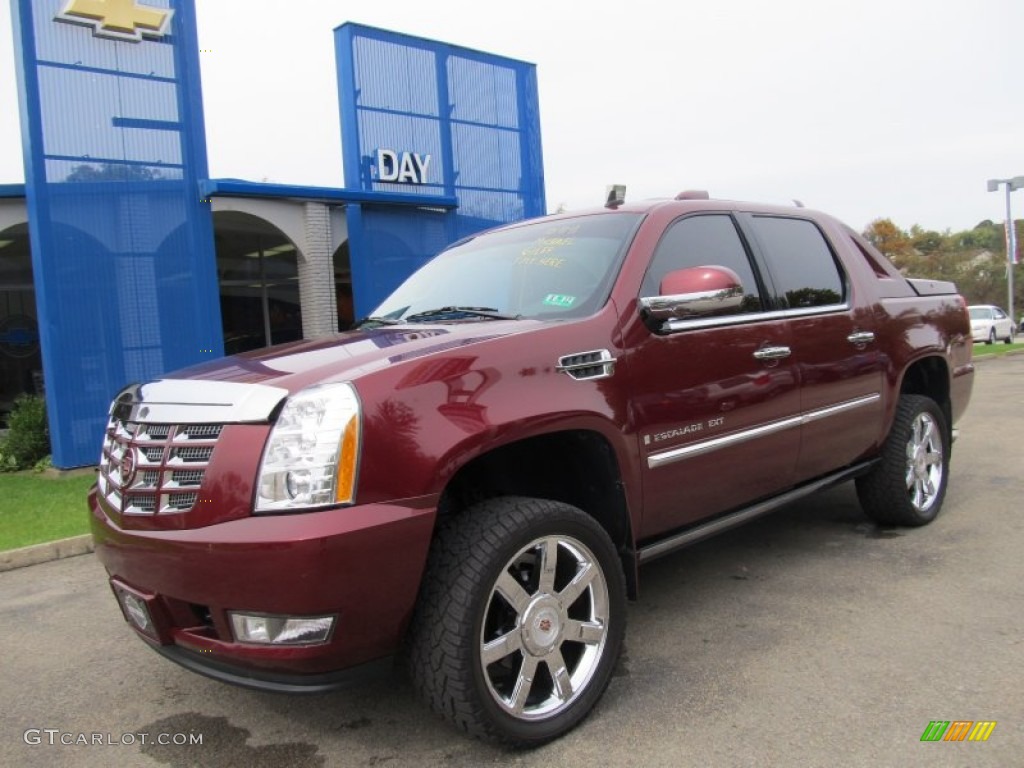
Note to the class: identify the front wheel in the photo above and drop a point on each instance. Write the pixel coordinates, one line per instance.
(520, 620)
(991, 337)
(908, 484)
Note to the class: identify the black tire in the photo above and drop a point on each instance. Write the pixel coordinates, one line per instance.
(500, 547)
(991, 337)
(908, 485)
(1009, 337)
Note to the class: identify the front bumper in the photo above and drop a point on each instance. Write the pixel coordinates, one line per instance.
(362, 564)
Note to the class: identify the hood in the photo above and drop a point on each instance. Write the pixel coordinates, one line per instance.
(347, 356)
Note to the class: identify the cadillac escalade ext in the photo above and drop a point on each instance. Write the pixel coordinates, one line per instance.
(472, 477)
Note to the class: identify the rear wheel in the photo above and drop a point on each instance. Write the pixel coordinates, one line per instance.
(520, 621)
(909, 483)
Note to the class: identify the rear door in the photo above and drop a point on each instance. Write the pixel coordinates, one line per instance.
(835, 352)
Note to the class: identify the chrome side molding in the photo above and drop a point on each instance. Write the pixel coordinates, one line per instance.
(672, 455)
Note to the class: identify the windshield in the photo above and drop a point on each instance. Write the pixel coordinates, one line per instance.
(980, 313)
(550, 269)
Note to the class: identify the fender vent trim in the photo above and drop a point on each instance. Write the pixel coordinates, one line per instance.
(596, 364)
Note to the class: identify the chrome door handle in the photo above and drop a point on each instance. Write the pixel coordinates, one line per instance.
(861, 337)
(772, 353)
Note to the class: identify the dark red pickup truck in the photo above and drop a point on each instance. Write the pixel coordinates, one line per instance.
(474, 475)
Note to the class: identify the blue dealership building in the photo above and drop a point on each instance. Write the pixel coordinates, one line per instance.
(121, 260)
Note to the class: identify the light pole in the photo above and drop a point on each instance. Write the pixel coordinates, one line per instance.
(1011, 237)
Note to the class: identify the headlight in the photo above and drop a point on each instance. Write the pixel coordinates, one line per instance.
(313, 451)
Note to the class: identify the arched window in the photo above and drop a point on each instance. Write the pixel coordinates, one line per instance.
(257, 270)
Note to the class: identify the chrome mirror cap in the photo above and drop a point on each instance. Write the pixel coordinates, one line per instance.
(696, 292)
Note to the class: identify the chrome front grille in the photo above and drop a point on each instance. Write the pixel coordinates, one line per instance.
(202, 431)
(190, 477)
(153, 469)
(190, 455)
(153, 455)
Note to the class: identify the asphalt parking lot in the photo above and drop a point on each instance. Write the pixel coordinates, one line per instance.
(808, 638)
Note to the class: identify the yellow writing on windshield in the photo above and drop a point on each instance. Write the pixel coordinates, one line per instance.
(539, 252)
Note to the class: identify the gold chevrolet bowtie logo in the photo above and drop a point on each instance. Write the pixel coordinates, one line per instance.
(118, 19)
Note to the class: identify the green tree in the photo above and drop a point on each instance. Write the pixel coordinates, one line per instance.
(926, 241)
(974, 259)
(986, 236)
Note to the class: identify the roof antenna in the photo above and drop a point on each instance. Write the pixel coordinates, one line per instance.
(615, 195)
(797, 203)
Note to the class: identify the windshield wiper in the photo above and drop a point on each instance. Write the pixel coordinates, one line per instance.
(379, 320)
(487, 312)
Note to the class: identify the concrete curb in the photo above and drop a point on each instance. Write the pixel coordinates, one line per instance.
(43, 553)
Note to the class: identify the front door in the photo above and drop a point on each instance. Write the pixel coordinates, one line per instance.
(715, 402)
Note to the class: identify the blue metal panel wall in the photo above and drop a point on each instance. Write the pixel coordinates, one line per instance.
(122, 246)
(474, 113)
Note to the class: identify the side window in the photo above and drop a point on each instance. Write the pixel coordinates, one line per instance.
(698, 241)
(801, 263)
(999, 314)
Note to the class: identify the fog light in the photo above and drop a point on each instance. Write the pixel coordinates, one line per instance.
(136, 611)
(281, 630)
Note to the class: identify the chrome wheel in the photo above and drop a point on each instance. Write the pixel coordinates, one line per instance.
(907, 484)
(520, 619)
(924, 462)
(545, 627)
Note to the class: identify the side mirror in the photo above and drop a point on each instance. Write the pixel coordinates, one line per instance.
(696, 292)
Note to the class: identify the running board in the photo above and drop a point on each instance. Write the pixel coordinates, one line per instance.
(699, 533)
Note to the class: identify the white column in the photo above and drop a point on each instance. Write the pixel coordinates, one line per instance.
(316, 274)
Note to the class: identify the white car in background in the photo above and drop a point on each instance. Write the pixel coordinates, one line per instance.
(989, 323)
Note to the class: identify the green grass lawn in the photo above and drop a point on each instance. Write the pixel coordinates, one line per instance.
(999, 348)
(37, 507)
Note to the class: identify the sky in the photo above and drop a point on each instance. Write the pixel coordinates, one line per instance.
(881, 108)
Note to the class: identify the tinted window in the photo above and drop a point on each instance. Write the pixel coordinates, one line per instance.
(801, 263)
(700, 241)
